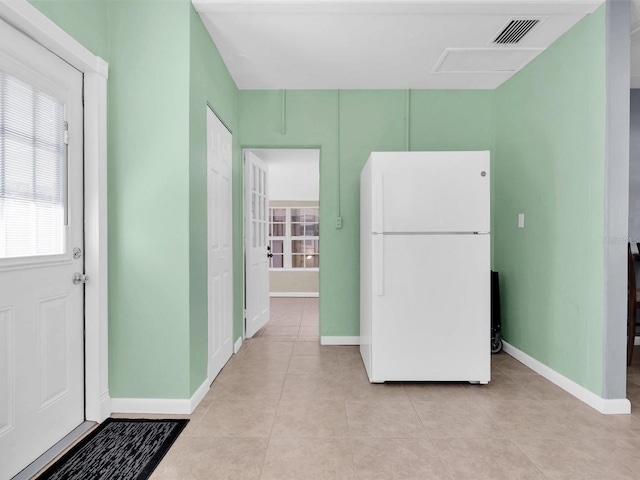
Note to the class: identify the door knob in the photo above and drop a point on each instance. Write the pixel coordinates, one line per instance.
(80, 278)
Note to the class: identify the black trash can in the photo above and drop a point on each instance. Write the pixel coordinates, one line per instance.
(496, 340)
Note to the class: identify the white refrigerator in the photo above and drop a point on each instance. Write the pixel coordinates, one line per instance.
(425, 266)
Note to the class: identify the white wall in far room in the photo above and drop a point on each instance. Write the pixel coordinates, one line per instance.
(293, 173)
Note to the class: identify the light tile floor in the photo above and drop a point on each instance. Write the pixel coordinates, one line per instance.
(285, 408)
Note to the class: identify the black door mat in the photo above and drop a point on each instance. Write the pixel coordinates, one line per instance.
(119, 449)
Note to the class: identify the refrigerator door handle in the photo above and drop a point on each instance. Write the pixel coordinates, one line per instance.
(378, 269)
(379, 204)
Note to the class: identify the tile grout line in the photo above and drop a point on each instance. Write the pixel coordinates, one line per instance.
(273, 423)
(346, 414)
(528, 458)
(508, 436)
(431, 439)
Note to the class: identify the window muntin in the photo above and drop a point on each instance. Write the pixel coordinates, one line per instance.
(294, 237)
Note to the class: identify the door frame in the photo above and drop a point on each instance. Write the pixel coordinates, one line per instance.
(30, 21)
(244, 233)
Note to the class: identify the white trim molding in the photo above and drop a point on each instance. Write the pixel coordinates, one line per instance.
(330, 340)
(603, 405)
(28, 19)
(199, 394)
(237, 345)
(39, 27)
(294, 294)
(96, 261)
(162, 406)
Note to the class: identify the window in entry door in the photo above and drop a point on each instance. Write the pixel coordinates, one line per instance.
(32, 171)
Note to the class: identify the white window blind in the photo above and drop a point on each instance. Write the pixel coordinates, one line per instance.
(32, 171)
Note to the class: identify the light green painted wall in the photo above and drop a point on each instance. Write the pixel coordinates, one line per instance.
(452, 119)
(550, 124)
(369, 120)
(209, 82)
(84, 20)
(163, 68)
(149, 342)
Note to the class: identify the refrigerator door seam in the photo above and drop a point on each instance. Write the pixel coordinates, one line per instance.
(379, 264)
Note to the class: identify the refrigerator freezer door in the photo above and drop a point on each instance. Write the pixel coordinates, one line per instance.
(431, 192)
(432, 321)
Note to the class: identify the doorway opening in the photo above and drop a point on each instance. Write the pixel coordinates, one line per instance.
(282, 243)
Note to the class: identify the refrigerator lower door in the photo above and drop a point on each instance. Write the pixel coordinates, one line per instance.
(431, 308)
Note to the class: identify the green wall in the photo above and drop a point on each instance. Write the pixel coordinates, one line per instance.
(550, 150)
(149, 199)
(84, 20)
(369, 120)
(163, 69)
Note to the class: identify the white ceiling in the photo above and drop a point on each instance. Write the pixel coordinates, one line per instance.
(385, 44)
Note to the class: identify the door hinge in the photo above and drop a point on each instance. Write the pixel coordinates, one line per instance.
(66, 133)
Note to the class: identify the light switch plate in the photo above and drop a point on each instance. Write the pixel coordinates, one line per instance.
(521, 220)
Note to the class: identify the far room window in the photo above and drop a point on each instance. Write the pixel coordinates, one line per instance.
(294, 237)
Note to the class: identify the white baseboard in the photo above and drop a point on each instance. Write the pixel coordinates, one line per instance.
(164, 406)
(603, 405)
(237, 345)
(199, 394)
(295, 294)
(339, 340)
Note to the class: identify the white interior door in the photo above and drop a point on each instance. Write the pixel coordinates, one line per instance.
(256, 212)
(41, 225)
(220, 253)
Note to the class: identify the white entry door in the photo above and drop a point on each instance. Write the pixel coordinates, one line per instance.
(220, 253)
(256, 212)
(41, 242)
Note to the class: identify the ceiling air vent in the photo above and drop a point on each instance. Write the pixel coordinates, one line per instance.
(515, 31)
